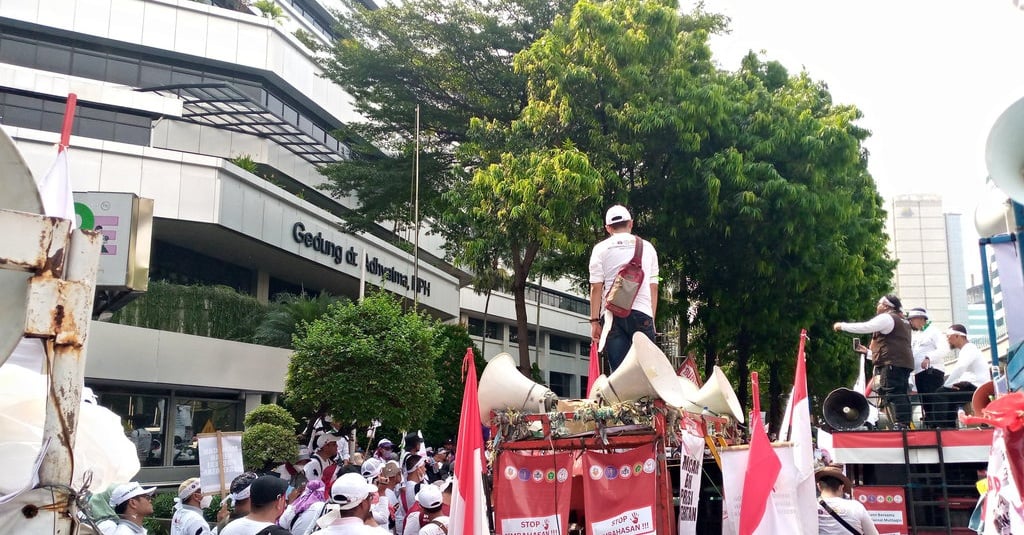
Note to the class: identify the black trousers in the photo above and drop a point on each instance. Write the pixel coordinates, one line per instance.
(948, 402)
(893, 391)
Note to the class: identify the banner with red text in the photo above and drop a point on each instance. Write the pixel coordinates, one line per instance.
(691, 458)
(532, 493)
(620, 491)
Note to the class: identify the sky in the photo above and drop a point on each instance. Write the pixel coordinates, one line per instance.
(930, 78)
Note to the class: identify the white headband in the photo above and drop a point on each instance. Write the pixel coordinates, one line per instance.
(885, 301)
(419, 463)
(189, 490)
(242, 495)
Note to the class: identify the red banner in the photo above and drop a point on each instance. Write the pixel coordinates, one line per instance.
(619, 492)
(532, 493)
(886, 506)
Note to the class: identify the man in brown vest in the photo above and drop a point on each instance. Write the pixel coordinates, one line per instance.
(892, 354)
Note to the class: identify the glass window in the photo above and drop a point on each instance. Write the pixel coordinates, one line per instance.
(143, 420)
(18, 52)
(561, 343)
(476, 328)
(152, 75)
(513, 336)
(95, 128)
(124, 72)
(89, 66)
(53, 59)
(585, 348)
(198, 416)
(561, 384)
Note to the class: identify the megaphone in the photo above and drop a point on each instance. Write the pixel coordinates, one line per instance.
(994, 214)
(1004, 151)
(503, 387)
(716, 396)
(982, 397)
(645, 372)
(845, 409)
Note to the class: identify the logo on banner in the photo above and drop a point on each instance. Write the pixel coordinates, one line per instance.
(548, 525)
(538, 475)
(563, 475)
(633, 522)
(625, 472)
(524, 474)
(596, 472)
(611, 472)
(510, 472)
(649, 466)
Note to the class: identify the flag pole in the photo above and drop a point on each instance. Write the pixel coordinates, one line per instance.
(69, 120)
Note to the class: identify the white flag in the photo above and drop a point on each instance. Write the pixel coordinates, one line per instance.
(55, 190)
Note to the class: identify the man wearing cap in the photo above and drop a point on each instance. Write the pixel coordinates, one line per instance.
(326, 449)
(352, 494)
(965, 375)
(415, 469)
(188, 515)
(892, 355)
(838, 515)
(238, 500)
(606, 259)
(384, 450)
(929, 347)
(431, 520)
(132, 503)
(267, 502)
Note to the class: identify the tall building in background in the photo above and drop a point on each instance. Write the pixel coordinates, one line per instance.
(927, 244)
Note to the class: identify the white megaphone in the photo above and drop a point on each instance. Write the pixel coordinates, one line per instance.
(1004, 151)
(645, 372)
(717, 396)
(503, 387)
(994, 214)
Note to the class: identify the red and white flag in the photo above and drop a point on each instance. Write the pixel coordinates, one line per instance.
(595, 368)
(763, 468)
(469, 508)
(798, 431)
(55, 189)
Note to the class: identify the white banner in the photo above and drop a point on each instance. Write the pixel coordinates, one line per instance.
(782, 514)
(690, 465)
(1012, 284)
(220, 461)
(1003, 502)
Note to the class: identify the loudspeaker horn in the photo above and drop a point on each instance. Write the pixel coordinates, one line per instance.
(1004, 151)
(503, 387)
(982, 397)
(717, 396)
(645, 372)
(994, 213)
(845, 409)
(599, 384)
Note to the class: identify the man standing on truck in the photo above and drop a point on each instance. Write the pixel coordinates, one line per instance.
(891, 352)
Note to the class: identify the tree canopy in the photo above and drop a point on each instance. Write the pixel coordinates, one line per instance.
(365, 361)
(752, 183)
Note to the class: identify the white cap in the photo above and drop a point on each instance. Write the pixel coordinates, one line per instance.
(326, 438)
(429, 496)
(371, 468)
(616, 214)
(350, 490)
(127, 491)
(917, 313)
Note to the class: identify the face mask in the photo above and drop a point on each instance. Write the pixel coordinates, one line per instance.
(290, 490)
(205, 502)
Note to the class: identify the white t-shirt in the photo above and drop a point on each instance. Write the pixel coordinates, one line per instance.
(299, 524)
(849, 510)
(929, 343)
(189, 520)
(434, 529)
(244, 526)
(970, 366)
(616, 251)
(314, 469)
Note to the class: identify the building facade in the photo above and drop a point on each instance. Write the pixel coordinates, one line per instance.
(927, 245)
(170, 94)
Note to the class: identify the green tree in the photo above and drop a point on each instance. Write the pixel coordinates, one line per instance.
(287, 317)
(364, 361)
(453, 58)
(451, 342)
(269, 438)
(531, 206)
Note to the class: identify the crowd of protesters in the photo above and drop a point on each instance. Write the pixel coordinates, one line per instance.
(333, 488)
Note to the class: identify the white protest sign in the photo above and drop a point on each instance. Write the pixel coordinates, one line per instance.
(220, 461)
(690, 465)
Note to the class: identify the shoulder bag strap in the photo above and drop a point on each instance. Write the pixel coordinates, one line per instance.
(638, 250)
(443, 527)
(838, 518)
